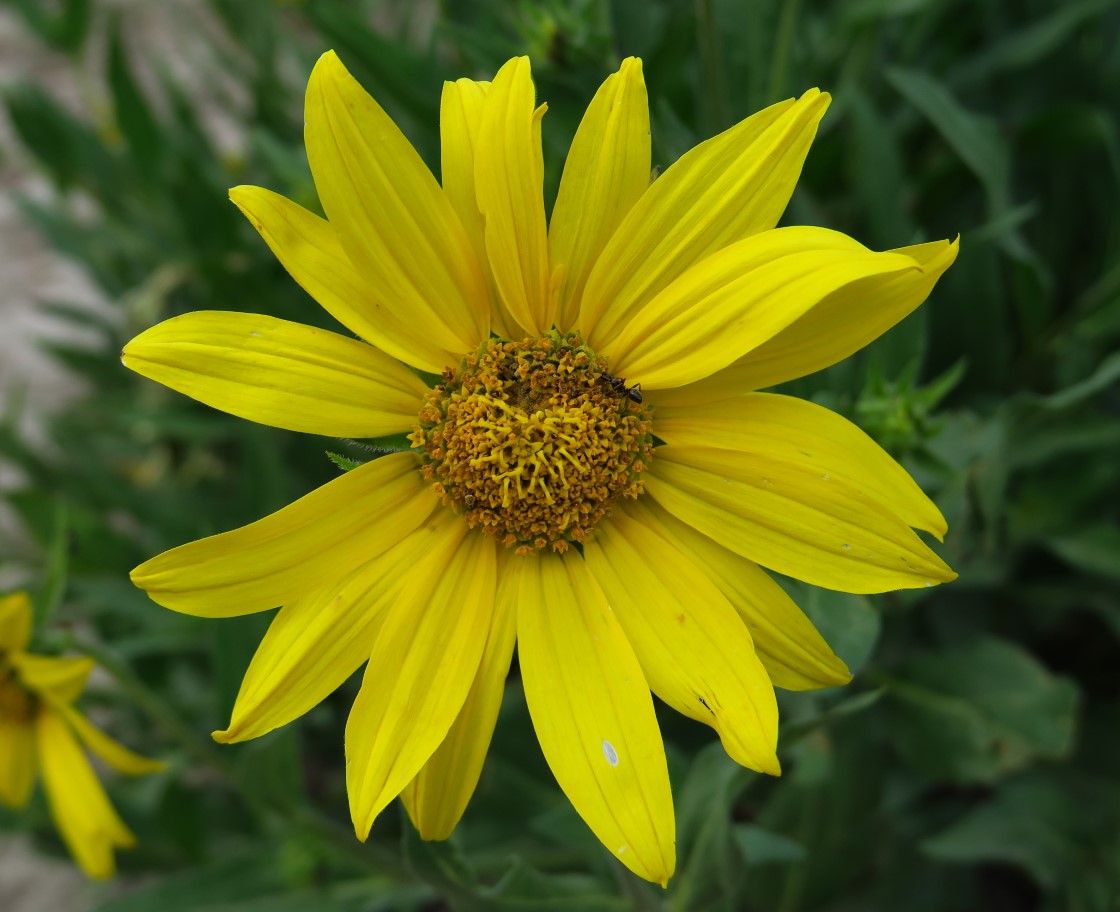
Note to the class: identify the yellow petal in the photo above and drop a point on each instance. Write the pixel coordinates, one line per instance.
(394, 221)
(607, 169)
(794, 654)
(321, 537)
(799, 523)
(112, 752)
(316, 642)
(81, 810)
(593, 715)
(726, 189)
(279, 373)
(438, 796)
(17, 761)
(695, 650)
(420, 671)
(736, 299)
(15, 622)
(509, 178)
(800, 433)
(460, 120)
(62, 678)
(841, 324)
(309, 248)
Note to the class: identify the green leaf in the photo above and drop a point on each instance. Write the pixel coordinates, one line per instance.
(58, 561)
(1029, 45)
(708, 865)
(134, 116)
(1093, 549)
(1106, 374)
(236, 878)
(438, 864)
(878, 173)
(850, 624)
(525, 889)
(1056, 825)
(66, 30)
(761, 846)
(978, 142)
(978, 711)
(975, 138)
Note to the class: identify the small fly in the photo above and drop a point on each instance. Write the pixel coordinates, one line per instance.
(633, 393)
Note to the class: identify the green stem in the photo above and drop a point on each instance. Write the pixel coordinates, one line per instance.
(711, 61)
(783, 41)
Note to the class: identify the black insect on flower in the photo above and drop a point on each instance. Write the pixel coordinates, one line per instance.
(633, 393)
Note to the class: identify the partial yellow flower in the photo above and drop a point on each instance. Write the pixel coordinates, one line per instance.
(41, 731)
(596, 477)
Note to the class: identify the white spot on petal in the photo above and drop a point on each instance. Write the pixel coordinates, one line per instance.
(846, 547)
(826, 477)
(610, 753)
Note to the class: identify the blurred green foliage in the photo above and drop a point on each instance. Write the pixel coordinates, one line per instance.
(974, 762)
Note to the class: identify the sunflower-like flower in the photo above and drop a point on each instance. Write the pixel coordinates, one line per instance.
(40, 730)
(593, 474)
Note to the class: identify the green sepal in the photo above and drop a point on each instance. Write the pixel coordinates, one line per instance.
(343, 462)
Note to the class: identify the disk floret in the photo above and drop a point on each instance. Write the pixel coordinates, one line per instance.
(530, 442)
(17, 706)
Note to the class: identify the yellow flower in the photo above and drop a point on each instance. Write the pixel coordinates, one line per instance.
(40, 730)
(614, 532)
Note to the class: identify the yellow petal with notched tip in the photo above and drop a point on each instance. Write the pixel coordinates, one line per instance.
(460, 120)
(315, 643)
(112, 752)
(279, 373)
(15, 622)
(726, 189)
(61, 678)
(695, 650)
(394, 221)
(607, 169)
(593, 715)
(323, 535)
(820, 530)
(308, 247)
(794, 654)
(438, 796)
(17, 760)
(838, 326)
(800, 433)
(736, 299)
(81, 810)
(423, 663)
(509, 180)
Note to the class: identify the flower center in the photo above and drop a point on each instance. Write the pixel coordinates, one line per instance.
(533, 441)
(16, 704)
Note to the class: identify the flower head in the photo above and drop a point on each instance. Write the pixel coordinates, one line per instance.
(594, 476)
(41, 731)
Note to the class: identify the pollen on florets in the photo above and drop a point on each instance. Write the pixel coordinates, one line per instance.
(530, 442)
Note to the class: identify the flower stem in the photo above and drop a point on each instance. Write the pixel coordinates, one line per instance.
(783, 41)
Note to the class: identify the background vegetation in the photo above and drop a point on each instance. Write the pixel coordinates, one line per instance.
(974, 763)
